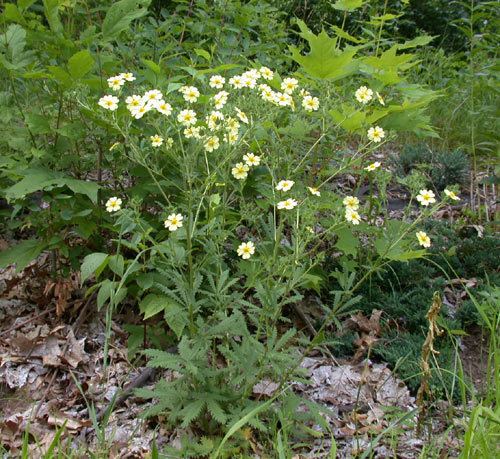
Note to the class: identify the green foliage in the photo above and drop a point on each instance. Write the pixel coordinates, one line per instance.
(324, 60)
(442, 168)
(120, 15)
(228, 316)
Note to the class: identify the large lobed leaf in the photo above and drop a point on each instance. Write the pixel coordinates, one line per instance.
(324, 59)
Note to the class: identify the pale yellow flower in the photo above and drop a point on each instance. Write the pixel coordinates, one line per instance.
(372, 166)
(187, 117)
(352, 216)
(163, 107)
(127, 76)
(351, 202)
(217, 81)
(376, 134)
(236, 81)
(190, 93)
(156, 140)
(133, 101)
(113, 204)
(173, 222)
(283, 99)
(266, 73)
(232, 124)
(451, 195)
(246, 249)
(241, 115)
(251, 159)
(249, 82)
(268, 95)
(288, 85)
(426, 197)
(310, 103)
(231, 137)
(192, 131)
(252, 73)
(152, 96)
(240, 171)
(213, 120)
(139, 112)
(285, 185)
(116, 82)
(287, 204)
(380, 99)
(314, 191)
(220, 99)
(363, 94)
(212, 143)
(109, 102)
(423, 239)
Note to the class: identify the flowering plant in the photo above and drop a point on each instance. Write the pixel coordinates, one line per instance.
(226, 231)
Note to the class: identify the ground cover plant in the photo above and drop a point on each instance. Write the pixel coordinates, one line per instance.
(259, 217)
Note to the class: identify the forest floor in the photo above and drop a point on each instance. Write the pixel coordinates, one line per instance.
(52, 374)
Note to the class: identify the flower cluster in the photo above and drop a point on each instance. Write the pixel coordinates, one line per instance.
(220, 124)
(284, 186)
(240, 170)
(351, 204)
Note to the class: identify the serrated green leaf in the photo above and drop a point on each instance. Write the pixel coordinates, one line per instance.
(153, 66)
(60, 75)
(417, 41)
(93, 263)
(348, 5)
(324, 59)
(25, 4)
(347, 242)
(191, 411)
(104, 293)
(41, 179)
(21, 254)
(51, 10)
(343, 34)
(38, 124)
(12, 13)
(117, 264)
(176, 318)
(153, 304)
(205, 54)
(80, 64)
(349, 118)
(406, 256)
(120, 15)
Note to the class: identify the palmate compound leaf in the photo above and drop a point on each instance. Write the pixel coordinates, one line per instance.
(324, 59)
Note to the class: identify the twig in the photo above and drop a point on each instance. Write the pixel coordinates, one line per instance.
(313, 331)
(139, 381)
